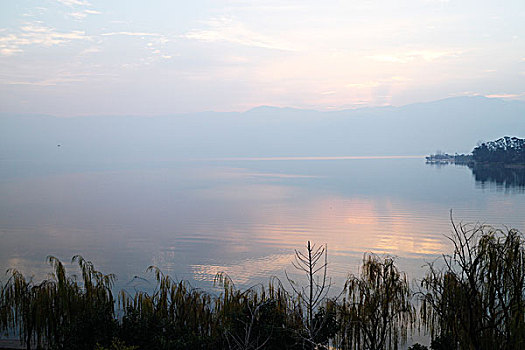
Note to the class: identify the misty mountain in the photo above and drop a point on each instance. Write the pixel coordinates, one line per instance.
(451, 125)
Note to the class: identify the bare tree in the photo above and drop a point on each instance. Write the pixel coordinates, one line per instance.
(313, 263)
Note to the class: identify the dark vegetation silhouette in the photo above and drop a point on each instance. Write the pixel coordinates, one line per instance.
(376, 312)
(473, 298)
(506, 150)
(318, 327)
(476, 298)
(500, 162)
(504, 177)
(60, 312)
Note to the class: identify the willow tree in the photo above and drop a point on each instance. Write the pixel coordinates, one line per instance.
(20, 309)
(60, 312)
(258, 317)
(476, 299)
(173, 316)
(376, 312)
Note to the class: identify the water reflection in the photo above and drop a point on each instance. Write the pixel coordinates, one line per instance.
(504, 177)
(267, 266)
(242, 217)
(499, 177)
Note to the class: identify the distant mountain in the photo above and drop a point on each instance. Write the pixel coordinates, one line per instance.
(453, 125)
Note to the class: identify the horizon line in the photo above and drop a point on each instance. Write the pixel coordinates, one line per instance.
(305, 109)
(306, 158)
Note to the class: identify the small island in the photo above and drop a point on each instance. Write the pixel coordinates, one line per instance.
(500, 162)
(508, 152)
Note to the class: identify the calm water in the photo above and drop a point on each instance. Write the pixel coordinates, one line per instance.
(241, 216)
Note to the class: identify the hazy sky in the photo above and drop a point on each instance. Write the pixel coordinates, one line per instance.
(88, 57)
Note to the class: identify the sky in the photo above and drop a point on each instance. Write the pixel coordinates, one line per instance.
(130, 57)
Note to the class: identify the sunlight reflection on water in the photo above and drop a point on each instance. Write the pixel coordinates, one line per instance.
(244, 217)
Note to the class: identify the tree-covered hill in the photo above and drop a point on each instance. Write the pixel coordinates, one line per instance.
(506, 150)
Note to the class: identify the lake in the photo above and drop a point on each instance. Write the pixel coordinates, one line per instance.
(242, 216)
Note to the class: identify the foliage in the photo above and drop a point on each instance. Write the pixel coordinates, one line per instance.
(116, 344)
(174, 316)
(477, 300)
(60, 312)
(258, 318)
(507, 150)
(377, 312)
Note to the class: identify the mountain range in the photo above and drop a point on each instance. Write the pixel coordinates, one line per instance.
(451, 125)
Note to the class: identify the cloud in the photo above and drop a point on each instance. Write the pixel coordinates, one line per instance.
(38, 35)
(46, 82)
(72, 3)
(93, 49)
(379, 82)
(226, 30)
(131, 34)
(155, 46)
(6, 51)
(35, 12)
(505, 95)
(409, 56)
(58, 78)
(47, 36)
(78, 15)
(83, 14)
(367, 84)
